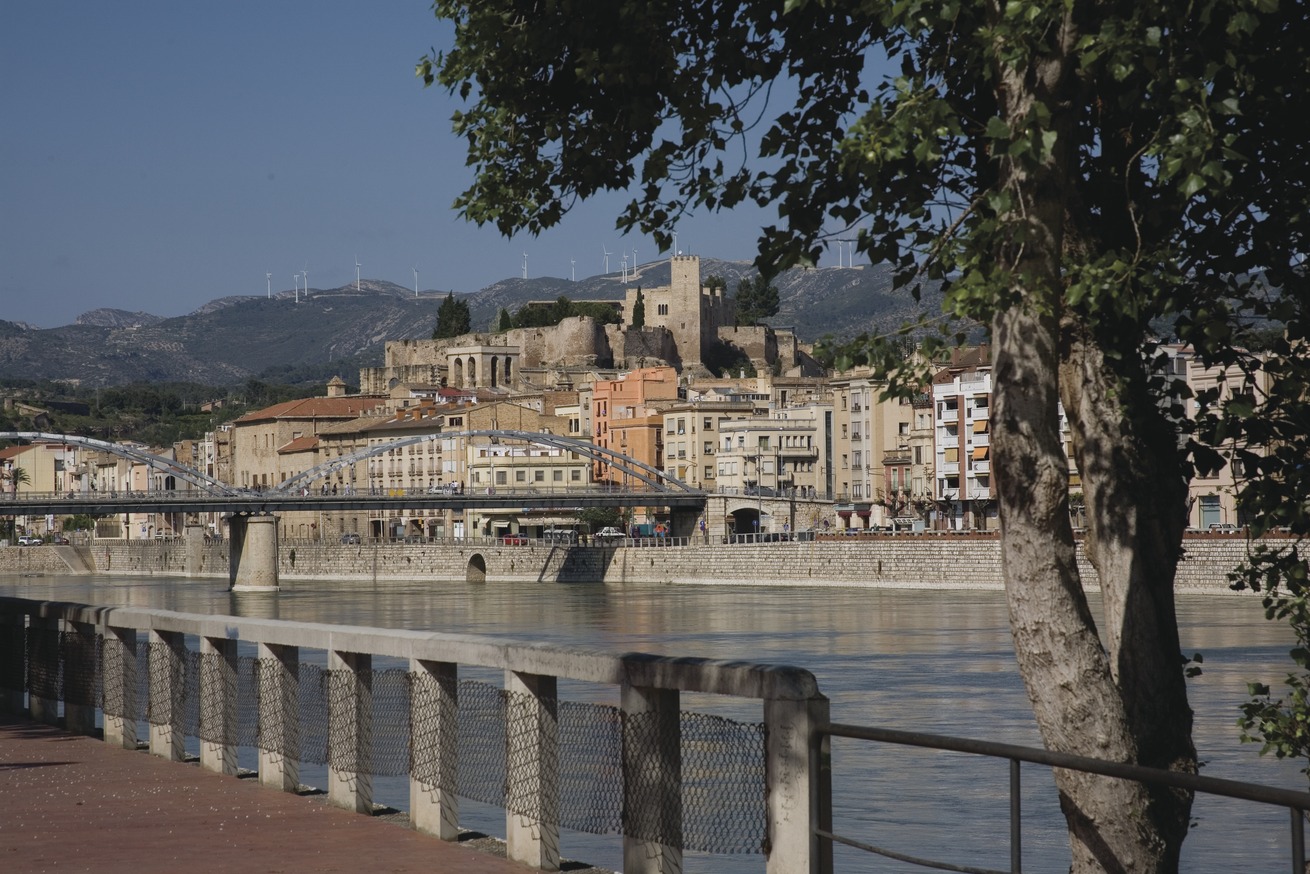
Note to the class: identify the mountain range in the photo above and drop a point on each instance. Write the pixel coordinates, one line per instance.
(337, 331)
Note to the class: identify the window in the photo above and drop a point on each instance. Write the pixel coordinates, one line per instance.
(844, 460)
(918, 455)
(709, 448)
(538, 476)
(500, 478)
(709, 472)
(952, 455)
(575, 476)
(857, 458)
(709, 424)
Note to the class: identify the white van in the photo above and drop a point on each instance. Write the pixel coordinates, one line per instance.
(559, 535)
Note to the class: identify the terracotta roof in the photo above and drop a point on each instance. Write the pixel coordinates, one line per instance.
(314, 408)
(300, 444)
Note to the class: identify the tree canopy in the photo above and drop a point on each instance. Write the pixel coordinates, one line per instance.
(757, 300)
(1086, 181)
(453, 318)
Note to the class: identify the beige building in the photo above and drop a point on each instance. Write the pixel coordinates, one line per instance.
(866, 431)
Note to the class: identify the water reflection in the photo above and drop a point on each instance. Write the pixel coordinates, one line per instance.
(922, 660)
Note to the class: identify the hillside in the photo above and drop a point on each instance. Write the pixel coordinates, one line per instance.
(232, 339)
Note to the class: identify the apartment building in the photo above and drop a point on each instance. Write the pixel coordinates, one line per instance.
(867, 429)
(965, 490)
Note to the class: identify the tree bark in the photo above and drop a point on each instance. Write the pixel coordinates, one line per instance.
(1123, 698)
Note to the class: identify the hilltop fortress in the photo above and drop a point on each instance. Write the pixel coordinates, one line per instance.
(687, 326)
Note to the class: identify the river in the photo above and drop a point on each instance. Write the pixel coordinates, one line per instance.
(938, 661)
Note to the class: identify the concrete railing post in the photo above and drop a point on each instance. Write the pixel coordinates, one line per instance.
(13, 659)
(194, 538)
(167, 688)
(120, 683)
(434, 718)
(798, 770)
(652, 781)
(218, 705)
(79, 652)
(350, 731)
(279, 717)
(43, 669)
(532, 771)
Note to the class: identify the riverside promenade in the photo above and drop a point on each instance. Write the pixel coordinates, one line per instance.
(73, 803)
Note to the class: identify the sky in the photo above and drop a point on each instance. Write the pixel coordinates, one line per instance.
(155, 156)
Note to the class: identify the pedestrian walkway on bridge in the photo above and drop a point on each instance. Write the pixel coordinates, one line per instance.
(73, 803)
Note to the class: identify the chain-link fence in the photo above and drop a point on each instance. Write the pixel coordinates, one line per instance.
(578, 779)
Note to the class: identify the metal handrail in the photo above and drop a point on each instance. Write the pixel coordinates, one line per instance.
(1296, 802)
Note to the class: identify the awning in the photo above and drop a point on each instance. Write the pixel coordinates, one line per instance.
(979, 453)
(845, 514)
(864, 514)
(980, 426)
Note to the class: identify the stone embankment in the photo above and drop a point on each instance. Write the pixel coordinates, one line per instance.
(929, 561)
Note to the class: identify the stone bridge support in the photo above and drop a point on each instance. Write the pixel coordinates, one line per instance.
(252, 553)
(682, 521)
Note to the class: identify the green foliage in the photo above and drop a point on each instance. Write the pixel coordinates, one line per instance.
(80, 522)
(453, 318)
(503, 321)
(1104, 171)
(535, 316)
(757, 300)
(639, 310)
(715, 282)
(724, 359)
(596, 518)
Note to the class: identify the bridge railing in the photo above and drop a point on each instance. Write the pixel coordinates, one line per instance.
(668, 780)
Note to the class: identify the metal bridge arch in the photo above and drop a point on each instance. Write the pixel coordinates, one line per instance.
(657, 479)
(155, 462)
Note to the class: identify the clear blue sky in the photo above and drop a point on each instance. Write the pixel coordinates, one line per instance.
(160, 154)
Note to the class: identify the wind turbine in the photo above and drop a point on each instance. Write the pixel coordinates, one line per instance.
(357, 274)
(295, 277)
(625, 266)
(607, 259)
(573, 270)
(634, 262)
(525, 265)
(675, 244)
(415, 282)
(305, 273)
(269, 277)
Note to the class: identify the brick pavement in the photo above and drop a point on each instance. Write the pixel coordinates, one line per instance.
(74, 803)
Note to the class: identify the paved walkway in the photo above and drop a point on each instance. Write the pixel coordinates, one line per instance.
(73, 803)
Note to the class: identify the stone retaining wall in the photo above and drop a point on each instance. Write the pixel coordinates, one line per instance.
(945, 562)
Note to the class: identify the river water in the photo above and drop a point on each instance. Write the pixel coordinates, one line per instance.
(916, 660)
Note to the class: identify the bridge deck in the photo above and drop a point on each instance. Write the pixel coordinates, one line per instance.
(77, 804)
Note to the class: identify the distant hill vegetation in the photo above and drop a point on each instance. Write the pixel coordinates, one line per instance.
(337, 331)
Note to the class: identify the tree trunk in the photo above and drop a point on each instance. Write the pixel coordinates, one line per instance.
(1120, 699)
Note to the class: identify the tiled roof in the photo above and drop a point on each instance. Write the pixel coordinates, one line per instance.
(314, 408)
(300, 444)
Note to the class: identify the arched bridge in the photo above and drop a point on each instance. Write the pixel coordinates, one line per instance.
(643, 485)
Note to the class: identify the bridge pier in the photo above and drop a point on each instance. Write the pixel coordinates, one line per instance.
(194, 538)
(682, 521)
(252, 553)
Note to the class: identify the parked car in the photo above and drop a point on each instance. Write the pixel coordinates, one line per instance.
(350, 537)
(29, 540)
(514, 540)
(60, 540)
(559, 535)
(609, 534)
(1223, 528)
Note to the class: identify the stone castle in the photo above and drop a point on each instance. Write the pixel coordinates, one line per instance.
(684, 323)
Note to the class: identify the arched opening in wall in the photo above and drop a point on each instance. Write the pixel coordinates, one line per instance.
(477, 569)
(746, 523)
(509, 371)
(473, 373)
(459, 373)
(494, 372)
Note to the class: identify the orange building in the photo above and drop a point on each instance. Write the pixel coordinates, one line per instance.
(626, 417)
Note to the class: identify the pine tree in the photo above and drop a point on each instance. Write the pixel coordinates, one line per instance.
(639, 310)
